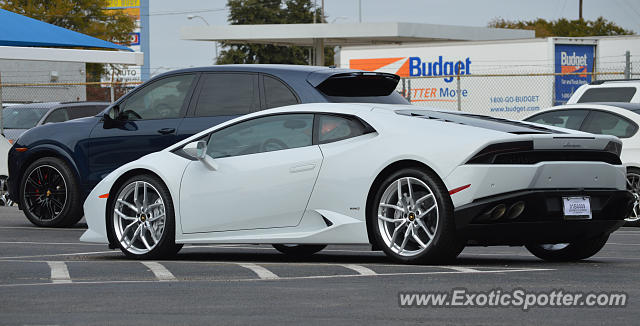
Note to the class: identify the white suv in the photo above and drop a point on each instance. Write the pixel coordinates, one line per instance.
(627, 90)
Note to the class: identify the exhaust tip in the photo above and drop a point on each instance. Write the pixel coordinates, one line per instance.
(498, 211)
(515, 210)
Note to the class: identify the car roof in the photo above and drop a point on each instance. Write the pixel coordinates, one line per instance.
(53, 105)
(276, 69)
(622, 105)
(593, 106)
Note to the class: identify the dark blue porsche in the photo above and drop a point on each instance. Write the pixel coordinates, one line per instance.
(52, 168)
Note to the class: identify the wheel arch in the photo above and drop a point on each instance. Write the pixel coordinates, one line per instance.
(633, 166)
(35, 154)
(382, 175)
(39, 152)
(114, 187)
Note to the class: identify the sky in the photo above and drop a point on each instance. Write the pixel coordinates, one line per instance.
(168, 52)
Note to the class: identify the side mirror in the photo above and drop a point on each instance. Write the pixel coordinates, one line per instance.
(198, 150)
(108, 121)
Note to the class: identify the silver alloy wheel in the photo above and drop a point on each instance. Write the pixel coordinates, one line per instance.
(633, 185)
(554, 246)
(4, 192)
(408, 216)
(139, 217)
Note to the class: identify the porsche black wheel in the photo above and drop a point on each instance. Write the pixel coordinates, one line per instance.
(49, 194)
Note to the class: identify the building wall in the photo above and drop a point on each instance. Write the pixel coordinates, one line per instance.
(42, 72)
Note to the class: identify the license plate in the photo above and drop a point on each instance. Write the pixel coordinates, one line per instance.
(576, 208)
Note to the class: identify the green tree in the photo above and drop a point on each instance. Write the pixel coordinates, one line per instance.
(83, 16)
(270, 12)
(564, 27)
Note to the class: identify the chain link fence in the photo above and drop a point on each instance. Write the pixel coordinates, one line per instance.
(506, 95)
(512, 96)
(37, 108)
(29, 92)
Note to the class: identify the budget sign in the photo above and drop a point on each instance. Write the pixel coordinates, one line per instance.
(574, 59)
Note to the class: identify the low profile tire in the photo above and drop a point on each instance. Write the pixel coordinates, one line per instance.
(412, 218)
(49, 194)
(298, 250)
(633, 185)
(142, 220)
(564, 252)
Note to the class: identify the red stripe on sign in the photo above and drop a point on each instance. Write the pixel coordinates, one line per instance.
(453, 191)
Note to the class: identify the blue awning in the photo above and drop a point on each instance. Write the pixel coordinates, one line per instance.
(18, 30)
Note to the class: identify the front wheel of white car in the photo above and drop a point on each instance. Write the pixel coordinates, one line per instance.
(142, 219)
(412, 217)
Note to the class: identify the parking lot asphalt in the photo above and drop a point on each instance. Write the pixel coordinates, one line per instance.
(49, 277)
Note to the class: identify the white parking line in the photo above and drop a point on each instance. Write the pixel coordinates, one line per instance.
(56, 255)
(52, 243)
(59, 272)
(461, 269)
(37, 228)
(623, 244)
(295, 277)
(360, 269)
(161, 272)
(262, 272)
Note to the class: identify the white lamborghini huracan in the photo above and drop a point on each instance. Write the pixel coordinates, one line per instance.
(418, 184)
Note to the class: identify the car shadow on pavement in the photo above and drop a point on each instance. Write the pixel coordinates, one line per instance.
(246, 256)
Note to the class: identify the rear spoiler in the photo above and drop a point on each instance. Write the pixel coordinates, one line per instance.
(354, 83)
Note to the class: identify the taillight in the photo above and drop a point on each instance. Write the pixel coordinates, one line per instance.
(488, 154)
(614, 147)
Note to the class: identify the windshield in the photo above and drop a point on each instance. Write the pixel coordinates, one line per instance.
(22, 118)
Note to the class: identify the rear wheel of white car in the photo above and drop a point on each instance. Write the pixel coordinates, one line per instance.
(412, 217)
(633, 185)
(49, 194)
(298, 250)
(572, 251)
(142, 219)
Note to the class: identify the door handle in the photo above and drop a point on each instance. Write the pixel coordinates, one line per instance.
(302, 168)
(166, 131)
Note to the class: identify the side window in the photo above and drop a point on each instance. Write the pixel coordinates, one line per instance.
(59, 115)
(266, 134)
(277, 94)
(162, 99)
(608, 94)
(333, 128)
(570, 119)
(609, 124)
(227, 94)
(76, 112)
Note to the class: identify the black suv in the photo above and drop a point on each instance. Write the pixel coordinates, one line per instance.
(53, 167)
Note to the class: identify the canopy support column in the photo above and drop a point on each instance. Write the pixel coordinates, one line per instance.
(318, 51)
